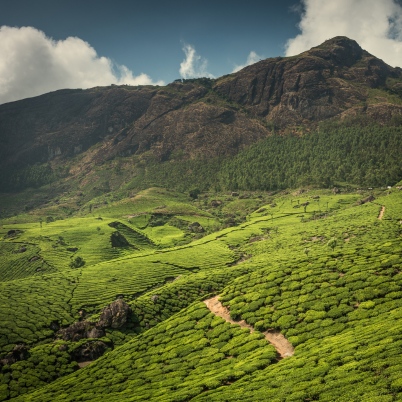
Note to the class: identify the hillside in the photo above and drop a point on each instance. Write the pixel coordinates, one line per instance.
(67, 136)
(319, 269)
(211, 240)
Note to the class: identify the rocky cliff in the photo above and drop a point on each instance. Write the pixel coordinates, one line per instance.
(315, 85)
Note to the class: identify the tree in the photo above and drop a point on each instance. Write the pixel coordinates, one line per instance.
(332, 243)
(77, 262)
(194, 193)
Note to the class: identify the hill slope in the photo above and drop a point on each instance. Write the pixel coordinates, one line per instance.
(337, 302)
(199, 118)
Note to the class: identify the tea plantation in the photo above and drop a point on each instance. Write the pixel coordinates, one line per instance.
(322, 268)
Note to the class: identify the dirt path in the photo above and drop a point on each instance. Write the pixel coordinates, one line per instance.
(281, 344)
(84, 364)
(381, 214)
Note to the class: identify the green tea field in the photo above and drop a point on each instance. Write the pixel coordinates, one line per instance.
(107, 304)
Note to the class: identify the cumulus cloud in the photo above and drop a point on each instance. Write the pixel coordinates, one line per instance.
(375, 24)
(193, 66)
(32, 64)
(252, 58)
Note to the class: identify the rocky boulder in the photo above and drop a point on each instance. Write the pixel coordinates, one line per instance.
(196, 227)
(370, 198)
(89, 351)
(20, 352)
(95, 332)
(13, 233)
(115, 315)
(75, 332)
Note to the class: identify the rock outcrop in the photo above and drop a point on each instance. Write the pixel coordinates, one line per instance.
(89, 351)
(20, 352)
(115, 315)
(76, 331)
(318, 84)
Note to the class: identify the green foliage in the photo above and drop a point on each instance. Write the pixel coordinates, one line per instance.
(31, 176)
(36, 302)
(77, 262)
(194, 193)
(20, 260)
(365, 155)
(44, 364)
(332, 243)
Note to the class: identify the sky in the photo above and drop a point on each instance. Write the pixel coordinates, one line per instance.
(47, 45)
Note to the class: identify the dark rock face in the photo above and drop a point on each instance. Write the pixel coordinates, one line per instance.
(80, 330)
(215, 203)
(95, 332)
(115, 315)
(196, 227)
(54, 325)
(20, 352)
(316, 85)
(89, 351)
(370, 198)
(75, 332)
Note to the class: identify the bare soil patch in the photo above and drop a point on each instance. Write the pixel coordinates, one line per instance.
(84, 364)
(275, 338)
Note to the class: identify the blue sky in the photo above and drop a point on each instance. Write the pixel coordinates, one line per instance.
(148, 36)
(47, 45)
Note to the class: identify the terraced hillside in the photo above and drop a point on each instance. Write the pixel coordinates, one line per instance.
(107, 304)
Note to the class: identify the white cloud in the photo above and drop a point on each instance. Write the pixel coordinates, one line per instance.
(375, 24)
(32, 64)
(193, 66)
(252, 58)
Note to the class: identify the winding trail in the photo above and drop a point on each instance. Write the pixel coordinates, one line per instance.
(381, 214)
(275, 338)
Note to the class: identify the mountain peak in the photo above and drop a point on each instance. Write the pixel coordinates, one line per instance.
(342, 41)
(340, 49)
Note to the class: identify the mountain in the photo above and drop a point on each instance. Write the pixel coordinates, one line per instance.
(236, 239)
(202, 117)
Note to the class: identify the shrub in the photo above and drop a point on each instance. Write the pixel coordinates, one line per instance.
(77, 262)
